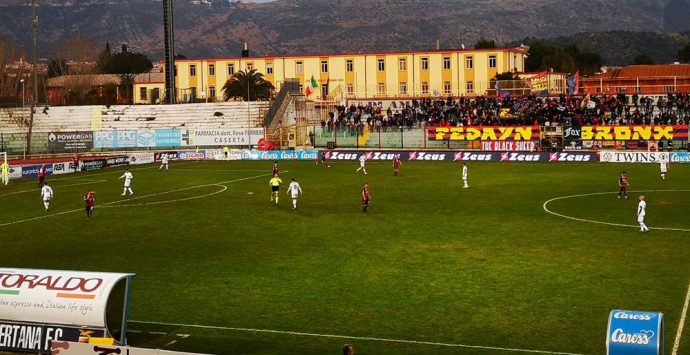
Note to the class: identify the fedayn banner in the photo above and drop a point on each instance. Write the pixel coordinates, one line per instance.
(483, 133)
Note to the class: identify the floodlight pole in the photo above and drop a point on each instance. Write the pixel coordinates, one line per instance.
(34, 25)
(23, 95)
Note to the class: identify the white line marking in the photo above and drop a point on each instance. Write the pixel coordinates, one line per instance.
(134, 198)
(134, 331)
(117, 205)
(158, 333)
(170, 343)
(214, 170)
(68, 185)
(358, 338)
(544, 206)
(679, 333)
(184, 335)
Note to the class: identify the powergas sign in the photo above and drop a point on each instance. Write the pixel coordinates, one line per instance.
(56, 297)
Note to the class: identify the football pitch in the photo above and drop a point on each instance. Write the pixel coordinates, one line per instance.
(530, 259)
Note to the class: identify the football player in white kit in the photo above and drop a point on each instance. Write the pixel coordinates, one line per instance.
(294, 190)
(46, 195)
(663, 167)
(128, 182)
(362, 162)
(164, 161)
(464, 175)
(641, 211)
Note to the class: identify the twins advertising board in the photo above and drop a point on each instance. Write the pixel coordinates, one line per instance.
(226, 137)
(71, 141)
(635, 333)
(613, 156)
(483, 133)
(37, 338)
(634, 133)
(71, 348)
(71, 298)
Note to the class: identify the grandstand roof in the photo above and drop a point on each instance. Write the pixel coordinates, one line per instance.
(647, 71)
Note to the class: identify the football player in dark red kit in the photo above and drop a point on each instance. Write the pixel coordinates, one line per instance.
(41, 176)
(75, 162)
(276, 169)
(396, 165)
(366, 198)
(623, 185)
(90, 202)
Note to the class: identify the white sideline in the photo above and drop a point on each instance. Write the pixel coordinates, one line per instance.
(546, 209)
(336, 336)
(135, 198)
(679, 333)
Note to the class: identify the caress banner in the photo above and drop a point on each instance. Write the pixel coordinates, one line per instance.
(634, 133)
(483, 133)
(309, 154)
(37, 338)
(56, 297)
(681, 157)
(610, 156)
(72, 348)
(225, 137)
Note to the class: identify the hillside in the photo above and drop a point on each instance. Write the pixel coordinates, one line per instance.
(311, 26)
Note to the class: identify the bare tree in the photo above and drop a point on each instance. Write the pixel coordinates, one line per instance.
(13, 68)
(77, 57)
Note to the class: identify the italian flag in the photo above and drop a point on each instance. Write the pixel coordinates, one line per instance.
(311, 87)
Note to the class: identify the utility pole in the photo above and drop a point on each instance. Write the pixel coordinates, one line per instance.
(34, 94)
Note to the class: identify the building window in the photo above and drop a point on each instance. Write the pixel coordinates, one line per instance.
(403, 88)
(250, 66)
(492, 61)
(425, 63)
(231, 69)
(212, 92)
(425, 87)
(175, 70)
(192, 70)
(381, 89)
(299, 68)
(350, 90)
(402, 64)
(324, 66)
(469, 87)
(469, 62)
(381, 65)
(446, 63)
(211, 69)
(349, 66)
(446, 87)
(143, 94)
(269, 68)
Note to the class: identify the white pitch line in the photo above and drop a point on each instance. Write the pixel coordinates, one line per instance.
(336, 336)
(679, 333)
(68, 185)
(546, 209)
(170, 343)
(223, 188)
(134, 198)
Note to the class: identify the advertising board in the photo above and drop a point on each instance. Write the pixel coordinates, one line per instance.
(191, 155)
(612, 156)
(680, 157)
(225, 137)
(32, 170)
(309, 154)
(72, 348)
(71, 141)
(37, 338)
(635, 333)
(137, 158)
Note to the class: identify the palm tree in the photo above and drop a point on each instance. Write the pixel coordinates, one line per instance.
(247, 83)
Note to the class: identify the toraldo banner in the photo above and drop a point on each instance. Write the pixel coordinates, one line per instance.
(483, 133)
(635, 333)
(57, 297)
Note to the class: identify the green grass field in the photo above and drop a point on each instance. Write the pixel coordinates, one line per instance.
(431, 265)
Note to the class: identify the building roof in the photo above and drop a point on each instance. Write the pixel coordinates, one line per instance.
(646, 71)
(101, 79)
(522, 50)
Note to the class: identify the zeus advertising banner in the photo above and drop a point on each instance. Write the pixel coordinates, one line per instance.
(635, 333)
(56, 297)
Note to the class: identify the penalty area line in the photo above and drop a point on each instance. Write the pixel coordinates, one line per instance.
(337, 336)
(679, 333)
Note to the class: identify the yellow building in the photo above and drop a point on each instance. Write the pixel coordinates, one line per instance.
(403, 74)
